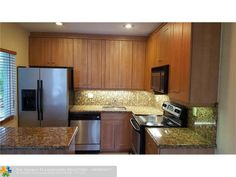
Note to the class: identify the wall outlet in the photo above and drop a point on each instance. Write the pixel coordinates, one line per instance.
(195, 112)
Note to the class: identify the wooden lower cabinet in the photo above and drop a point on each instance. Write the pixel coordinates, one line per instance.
(150, 146)
(115, 132)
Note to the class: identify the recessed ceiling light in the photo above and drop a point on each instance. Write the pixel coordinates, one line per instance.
(59, 23)
(128, 26)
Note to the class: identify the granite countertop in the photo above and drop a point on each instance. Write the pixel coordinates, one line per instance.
(37, 137)
(178, 137)
(134, 109)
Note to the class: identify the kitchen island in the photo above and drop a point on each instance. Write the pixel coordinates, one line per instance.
(38, 140)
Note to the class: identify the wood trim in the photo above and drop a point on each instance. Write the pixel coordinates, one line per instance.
(6, 120)
(86, 36)
(8, 51)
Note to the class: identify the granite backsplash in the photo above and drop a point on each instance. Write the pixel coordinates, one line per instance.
(119, 98)
(203, 121)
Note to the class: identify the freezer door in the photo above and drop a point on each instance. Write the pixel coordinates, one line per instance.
(27, 97)
(54, 97)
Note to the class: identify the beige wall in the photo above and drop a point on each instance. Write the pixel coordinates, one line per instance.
(13, 37)
(226, 132)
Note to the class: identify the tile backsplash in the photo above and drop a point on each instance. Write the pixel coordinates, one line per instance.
(119, 98)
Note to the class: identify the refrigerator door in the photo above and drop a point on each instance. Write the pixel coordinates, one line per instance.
(55, 98)
(28, 79)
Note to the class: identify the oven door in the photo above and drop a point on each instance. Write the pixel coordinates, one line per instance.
(136, 137)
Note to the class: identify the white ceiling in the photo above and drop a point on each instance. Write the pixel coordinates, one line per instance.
(139, 29)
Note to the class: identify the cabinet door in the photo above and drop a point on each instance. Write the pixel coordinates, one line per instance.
(163, 45)
(40, 52)
(125, 65)
(138, 68)
(35, 54)
(80, 63)
(179, 65)
(123, 133)
(150, 58)
(62, 52)
(112, 61)
(150, 146)
(175, 68)
(56, 52)
(115, 132)
(95, 63)
(107, 134)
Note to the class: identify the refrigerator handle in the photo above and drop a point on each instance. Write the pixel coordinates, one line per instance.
(38, 99)
(41, 99)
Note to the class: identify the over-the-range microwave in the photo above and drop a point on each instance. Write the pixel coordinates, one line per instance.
(159, 80)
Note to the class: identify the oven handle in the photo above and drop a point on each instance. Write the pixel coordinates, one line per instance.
(135, 128)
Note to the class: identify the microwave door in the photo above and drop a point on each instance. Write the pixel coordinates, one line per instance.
(156, 82)
(162, 80)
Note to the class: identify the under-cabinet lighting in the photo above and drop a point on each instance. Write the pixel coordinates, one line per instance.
(59, 23)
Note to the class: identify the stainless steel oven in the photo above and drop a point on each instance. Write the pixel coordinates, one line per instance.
(136, 137)
(174, 116)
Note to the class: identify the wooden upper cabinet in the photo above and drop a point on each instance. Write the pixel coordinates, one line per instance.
(99, 62)
(96, 56)
(204, 65)
(139, 55)
(80, 63)
(192, 51)
(195, 63)
(62, 52)
(39, 51)
(150, 58)
(163, 38)
(125, 65)
(112, 61)
(176, 59)
(57, 52)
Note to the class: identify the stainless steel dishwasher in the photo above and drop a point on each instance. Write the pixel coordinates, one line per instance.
(88, 136)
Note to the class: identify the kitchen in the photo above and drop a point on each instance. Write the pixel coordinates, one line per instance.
(153, 92)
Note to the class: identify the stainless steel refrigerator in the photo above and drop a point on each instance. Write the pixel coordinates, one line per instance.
(44, 96)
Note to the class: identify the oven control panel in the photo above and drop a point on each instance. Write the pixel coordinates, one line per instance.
(172, 109)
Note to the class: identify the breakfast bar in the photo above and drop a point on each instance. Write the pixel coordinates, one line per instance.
(40, 140)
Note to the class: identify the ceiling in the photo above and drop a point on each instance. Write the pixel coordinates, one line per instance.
(139, 29)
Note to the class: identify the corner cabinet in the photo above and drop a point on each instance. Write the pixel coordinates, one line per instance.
(194, 63)
(52, 52)
(192, 51)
